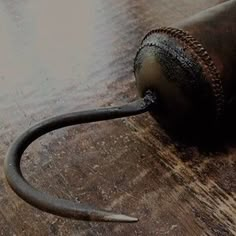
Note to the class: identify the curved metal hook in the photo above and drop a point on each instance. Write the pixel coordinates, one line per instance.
(45, 201)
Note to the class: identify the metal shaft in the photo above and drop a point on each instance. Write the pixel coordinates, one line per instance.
(45, 201)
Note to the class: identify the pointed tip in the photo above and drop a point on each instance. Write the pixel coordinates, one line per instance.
(120, 218)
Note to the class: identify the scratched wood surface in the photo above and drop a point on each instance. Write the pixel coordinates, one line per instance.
(60, 56)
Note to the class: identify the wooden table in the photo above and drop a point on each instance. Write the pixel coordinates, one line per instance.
(61, 56)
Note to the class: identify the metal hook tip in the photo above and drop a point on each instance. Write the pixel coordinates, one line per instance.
(120, 218)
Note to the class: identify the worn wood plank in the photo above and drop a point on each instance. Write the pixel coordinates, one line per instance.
(60, 56)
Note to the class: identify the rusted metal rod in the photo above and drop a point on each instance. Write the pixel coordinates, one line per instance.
(47, 202)
(188, 71)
